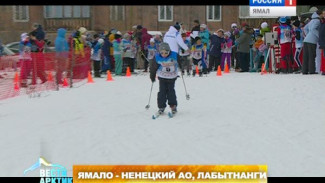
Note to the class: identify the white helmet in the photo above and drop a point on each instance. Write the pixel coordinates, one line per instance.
(264, 25)
(100, 41)
(233, 25)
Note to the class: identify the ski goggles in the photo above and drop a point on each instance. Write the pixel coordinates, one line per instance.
(164, 52)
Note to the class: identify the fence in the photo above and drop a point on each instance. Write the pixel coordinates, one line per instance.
(46, 71)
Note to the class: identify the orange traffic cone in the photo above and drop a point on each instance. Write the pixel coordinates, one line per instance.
(65, 82)
(197, 70)
(50, 76)
(128, 72)
(109, 76)
(226, 68)
(263, 71)
(90, 78)
(16, 80)
(219, 71)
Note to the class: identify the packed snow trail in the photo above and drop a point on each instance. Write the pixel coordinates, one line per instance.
(238, 118)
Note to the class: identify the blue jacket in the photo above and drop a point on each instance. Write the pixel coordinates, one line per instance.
(166, 68)
(215, 48)
(205, 37)
(61, 45)
(312, 31)
(322, 34)
(106, 47)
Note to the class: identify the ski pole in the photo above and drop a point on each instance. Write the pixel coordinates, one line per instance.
(148, 106)
(187, 95)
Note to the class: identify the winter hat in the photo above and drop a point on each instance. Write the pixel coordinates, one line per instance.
(152, 40)
(197, 21)
(119, 33)
(283, 20)
(233, 25)
(164, 46)
(82, 30)
(177, 26)
(100, 41)
(296, 23)
(228, 34)
(139, 27)
(24, 36)
(244, 24)
(134, 27)
(264, 25)
(220, 30)
(197, 38)
(203, 26)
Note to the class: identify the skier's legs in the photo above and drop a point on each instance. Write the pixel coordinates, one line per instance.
(171, 93)
(305, 58)
(118, 64)
(297, 57)
(162, 98)
(223, 58)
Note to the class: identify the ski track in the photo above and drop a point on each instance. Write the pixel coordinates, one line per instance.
(238, 118)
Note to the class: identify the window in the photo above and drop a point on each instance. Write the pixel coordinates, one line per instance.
(243, 11)
(213, 13)
(66, 11)
(117, 13)
(21, 13)
(165, 13)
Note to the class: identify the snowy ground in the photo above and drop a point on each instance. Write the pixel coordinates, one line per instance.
(239, 118)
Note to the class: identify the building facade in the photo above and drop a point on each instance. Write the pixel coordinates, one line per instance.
(18, 19)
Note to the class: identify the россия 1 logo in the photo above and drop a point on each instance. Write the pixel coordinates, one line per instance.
(272, 8)
(50, 173)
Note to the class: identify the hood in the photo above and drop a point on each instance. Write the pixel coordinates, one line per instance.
(144, 31)
(172, 29)
(314, 15)
(62, 32)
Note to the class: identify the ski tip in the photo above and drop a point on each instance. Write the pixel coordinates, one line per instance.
(170, 114)
(153, 117)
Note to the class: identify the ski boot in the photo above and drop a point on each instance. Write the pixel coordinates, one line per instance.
(161, 110)
(173, 108)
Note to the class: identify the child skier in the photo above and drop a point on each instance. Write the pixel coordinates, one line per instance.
(226, 48)
(199, 56)
(128, 53)
(258, 54)
(152, 50)
(117, 53)
(299, 40)
(25, 58)
(184, 60)
(165, 65)
(285, 38)
(96, 56)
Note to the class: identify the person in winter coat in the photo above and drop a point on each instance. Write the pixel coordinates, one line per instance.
(285, 34)
(106, 64)
(204, 35)
(61, 54)
(299, 39)
(78, 45)
(264, 28)
(117, 45)
(322, 42)
(259, 54)
(195, 31)
(310, 43)
(243, 48)
(25, 58)
(165, 66)
(234, 35)
(226, 48)
(145, 42)
(174, 39)
(215, 50)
